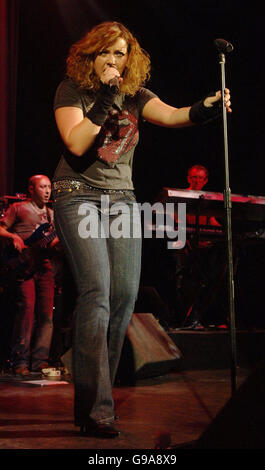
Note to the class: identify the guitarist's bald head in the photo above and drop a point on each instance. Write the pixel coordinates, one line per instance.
(34, 179)
(40, 189)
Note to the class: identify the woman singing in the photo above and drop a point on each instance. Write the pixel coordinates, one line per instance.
(97, 109)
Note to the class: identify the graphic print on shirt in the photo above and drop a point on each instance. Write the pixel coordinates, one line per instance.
(119, 134)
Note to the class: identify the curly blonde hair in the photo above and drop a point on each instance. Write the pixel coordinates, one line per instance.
(82, 54)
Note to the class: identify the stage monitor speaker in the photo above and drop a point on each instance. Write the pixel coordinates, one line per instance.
(149, 300)
(241, 422)
(147, 351)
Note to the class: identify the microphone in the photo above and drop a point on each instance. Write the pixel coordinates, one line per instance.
(114, 85)
(223, 46)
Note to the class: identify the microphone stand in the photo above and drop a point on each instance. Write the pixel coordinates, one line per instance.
(228, 227)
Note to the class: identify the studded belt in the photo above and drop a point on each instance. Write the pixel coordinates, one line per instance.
(70, 185)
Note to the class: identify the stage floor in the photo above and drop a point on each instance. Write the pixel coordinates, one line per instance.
(182, 404)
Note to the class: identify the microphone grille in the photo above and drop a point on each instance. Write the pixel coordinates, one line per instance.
(223, 45)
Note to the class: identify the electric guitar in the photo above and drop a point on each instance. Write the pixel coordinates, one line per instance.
(15, 265)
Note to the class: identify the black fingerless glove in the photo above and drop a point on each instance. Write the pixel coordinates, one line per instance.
(200, 114)
(105, 99)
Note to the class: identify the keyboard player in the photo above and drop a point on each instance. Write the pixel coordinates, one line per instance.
(198, 267)
(197, 179)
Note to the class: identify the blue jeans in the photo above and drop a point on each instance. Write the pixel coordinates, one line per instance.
(106, 269)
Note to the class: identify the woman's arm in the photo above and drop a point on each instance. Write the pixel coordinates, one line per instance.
(160, 113)
(77, 132)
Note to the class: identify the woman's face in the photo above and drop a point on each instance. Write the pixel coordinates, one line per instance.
(114, 56)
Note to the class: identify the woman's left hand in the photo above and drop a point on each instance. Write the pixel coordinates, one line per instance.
(210, 100)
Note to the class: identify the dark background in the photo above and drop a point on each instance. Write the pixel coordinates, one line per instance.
(179, 37)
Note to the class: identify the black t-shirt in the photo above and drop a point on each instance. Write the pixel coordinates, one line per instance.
(108, 163)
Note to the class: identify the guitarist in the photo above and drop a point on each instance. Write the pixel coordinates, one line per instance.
(34, 288)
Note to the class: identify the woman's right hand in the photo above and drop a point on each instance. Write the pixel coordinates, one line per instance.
(108, 74)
